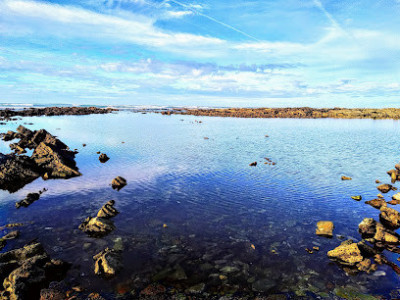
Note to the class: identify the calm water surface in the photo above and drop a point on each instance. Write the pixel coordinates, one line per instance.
(215, 206)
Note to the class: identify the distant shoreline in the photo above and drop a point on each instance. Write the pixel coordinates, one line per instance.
(295, 113)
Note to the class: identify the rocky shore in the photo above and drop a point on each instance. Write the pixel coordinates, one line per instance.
(295, 112)
(6, 114)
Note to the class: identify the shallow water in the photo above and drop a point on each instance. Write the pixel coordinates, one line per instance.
(214, 204)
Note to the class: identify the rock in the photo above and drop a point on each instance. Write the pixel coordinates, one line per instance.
(108, 211)
(196, 289)
(366, 266)
(103, 158)
(325, 228)
(394, 175)
(377, 203)
(263, 285)
(253, 164)
(51, 294)
(29, 199)
(107, 262)
(17, 148)
(357, 198)
(374, 232)
(396, 197)
(397, 166)
(347, 254)
(390, 217)
(384, 188)
(380, 196)
(346, 178)
(55, 162)
(100, 225)
(9, 236)
(394, 202)
(16, 172)
(97, 227)
(118, 183)
(27, 270)
(377, 181)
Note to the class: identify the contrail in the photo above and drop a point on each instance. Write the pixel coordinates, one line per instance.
(214, 20)
(329, 16)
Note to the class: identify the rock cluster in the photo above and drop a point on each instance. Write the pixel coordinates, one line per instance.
(51, 158)
(101, 225)
(25, 271)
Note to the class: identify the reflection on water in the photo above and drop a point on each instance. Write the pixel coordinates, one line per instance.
(230, 228)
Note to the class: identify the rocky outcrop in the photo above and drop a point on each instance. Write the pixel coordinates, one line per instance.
(27, 270)
(325, 228)
(118, 183)
(16, 171)
(390, 217)
(101, 225)
(107, 262)
(51, 159)
(347, 254)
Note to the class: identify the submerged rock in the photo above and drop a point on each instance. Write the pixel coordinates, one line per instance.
(27, 270)
(347, 254)
(107, 262)
(103, 158)
(385, 188)
(325, 228)
(390, 217)
(100, 225)
(118, 183)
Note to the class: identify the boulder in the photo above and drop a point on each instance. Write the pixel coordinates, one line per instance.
(108, 211)
(118, 183)
(107, 262)
(347, 254)
(390, 217)
(374, 232)
(384, 188)
(325, 228)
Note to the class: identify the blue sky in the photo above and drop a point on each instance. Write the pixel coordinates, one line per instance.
(217, 53)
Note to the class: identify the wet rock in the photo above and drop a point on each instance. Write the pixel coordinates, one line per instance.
(107, 262)
(346, 178)
(253, 164)
(325, 228)
(385, 188)
(390, 217)
(118, 183)
(357, 198)
(29, 199)
(55, 162)
(27, 270)
(377, 203)
(100, 225)
(394, 175)
(108, 210)
(374, 232)
(103, 158)
(97, 227)
(366, 266)
(347, 254)
(16, 171)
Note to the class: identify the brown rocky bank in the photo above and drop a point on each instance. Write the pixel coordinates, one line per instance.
(291, 112)
(53, 111)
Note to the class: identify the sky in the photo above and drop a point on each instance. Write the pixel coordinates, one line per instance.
(272, 53)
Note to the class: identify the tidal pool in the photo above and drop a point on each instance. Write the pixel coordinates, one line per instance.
(196, 218)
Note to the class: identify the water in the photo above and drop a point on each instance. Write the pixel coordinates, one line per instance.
(214, 204)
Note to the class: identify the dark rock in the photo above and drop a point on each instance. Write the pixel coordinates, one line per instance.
(29, 199)
(118, 183)
(384, 188)
(103, 158)
(16, 171)
(253, 164)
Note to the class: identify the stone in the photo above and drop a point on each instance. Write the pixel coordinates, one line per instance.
(103, 158)
(390, 217)
(325, 228)
(29, 199)
(346, 178)
(396, 197)
(347, 254)
(107, 262)
(357, 198)
(375, 232)
(108, 211)
(253, 164)
(385, 188)
(118, 183)
(97, 227)
(377, 203)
